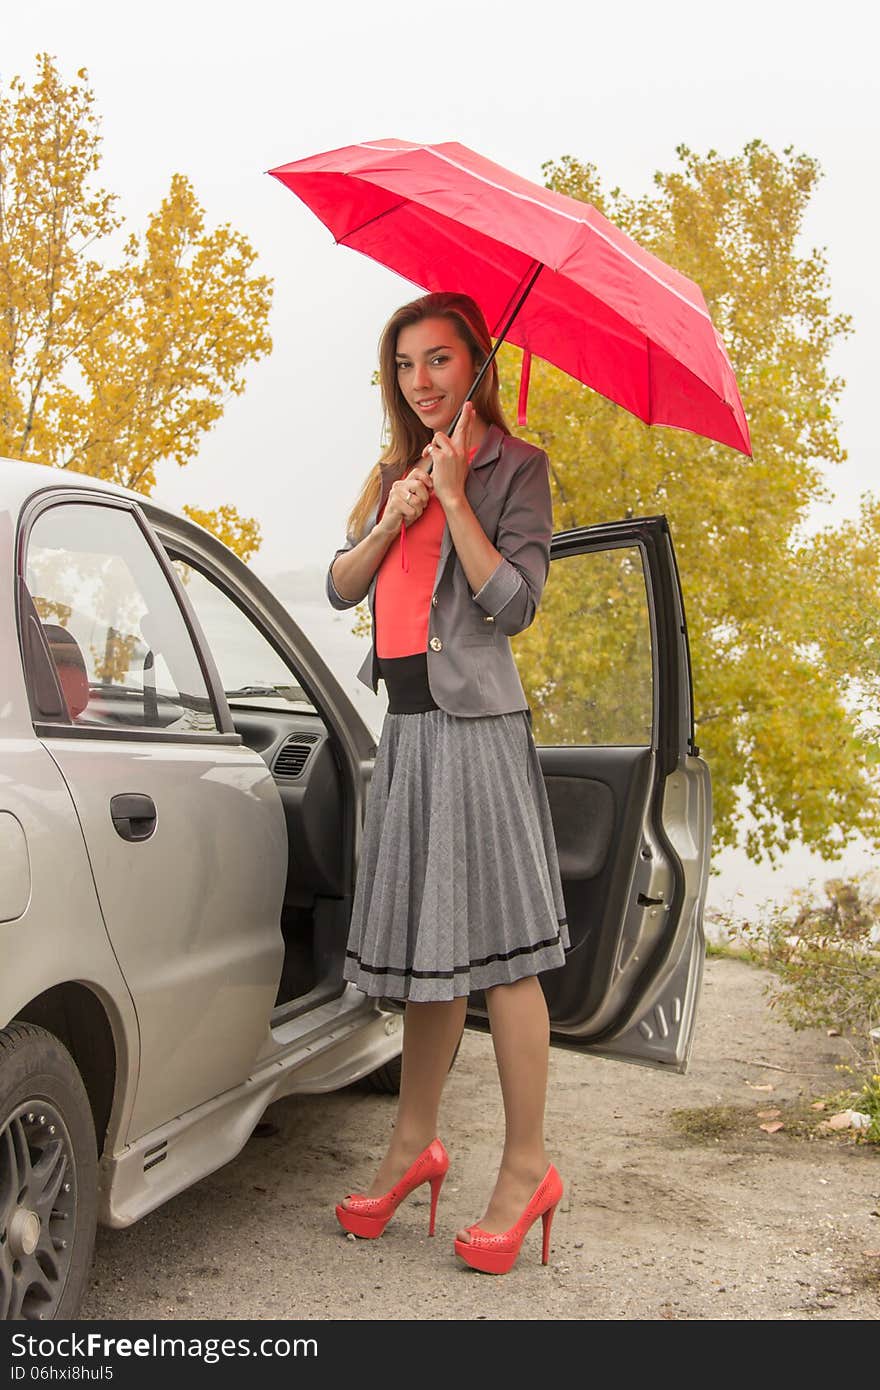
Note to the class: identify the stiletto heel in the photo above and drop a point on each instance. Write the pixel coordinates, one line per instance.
(436, 1184)
(368, 1216)
(547, 1219)
(497, 1254)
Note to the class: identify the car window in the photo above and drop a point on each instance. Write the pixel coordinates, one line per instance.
(586, 662)
(250, 668)
(115, 631)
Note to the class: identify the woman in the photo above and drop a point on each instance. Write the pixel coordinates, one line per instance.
(458, 885)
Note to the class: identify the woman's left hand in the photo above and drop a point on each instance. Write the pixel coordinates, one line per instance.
(450, 458)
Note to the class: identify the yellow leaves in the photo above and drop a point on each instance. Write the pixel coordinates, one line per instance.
(585, 662)
(240, 533)
(113, 662)
(110, 369)
(779, 630)
(52, 610)
(362, 625)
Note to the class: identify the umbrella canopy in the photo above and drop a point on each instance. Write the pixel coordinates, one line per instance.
(601, 308)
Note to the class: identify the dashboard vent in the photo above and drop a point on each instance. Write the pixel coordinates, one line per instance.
(294, 755)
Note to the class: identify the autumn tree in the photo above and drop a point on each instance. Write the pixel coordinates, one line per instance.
(785, 636)
(111, 366)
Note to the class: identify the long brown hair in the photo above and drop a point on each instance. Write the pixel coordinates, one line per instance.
(406, 434)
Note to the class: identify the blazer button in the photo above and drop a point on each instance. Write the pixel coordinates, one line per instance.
(434, 601)
(435, 644)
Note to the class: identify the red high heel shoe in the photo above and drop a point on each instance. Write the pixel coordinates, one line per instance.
(370, 1215)
(497, 1254)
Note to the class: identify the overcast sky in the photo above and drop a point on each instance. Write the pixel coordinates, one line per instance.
(223, 92)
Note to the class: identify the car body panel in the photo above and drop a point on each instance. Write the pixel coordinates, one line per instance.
(185, 955)
(342, 1041)
(60, 935)
(200, 947)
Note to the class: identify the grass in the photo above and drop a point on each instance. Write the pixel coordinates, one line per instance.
(718, 950)
(711, 1124)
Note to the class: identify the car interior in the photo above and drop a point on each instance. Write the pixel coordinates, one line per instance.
(298, 750)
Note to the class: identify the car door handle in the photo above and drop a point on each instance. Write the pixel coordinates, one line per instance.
(134, 815)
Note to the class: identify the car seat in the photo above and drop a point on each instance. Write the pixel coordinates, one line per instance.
(70, 666)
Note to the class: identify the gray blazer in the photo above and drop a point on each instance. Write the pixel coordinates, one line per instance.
(471, 670)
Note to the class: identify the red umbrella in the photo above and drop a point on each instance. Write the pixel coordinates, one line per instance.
(550, 273)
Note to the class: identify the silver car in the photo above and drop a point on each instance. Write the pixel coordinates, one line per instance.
(182, 786)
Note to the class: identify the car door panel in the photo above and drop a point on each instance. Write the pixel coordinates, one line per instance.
(608, 675)
(622, 924)
(595, 905)
(196, 938)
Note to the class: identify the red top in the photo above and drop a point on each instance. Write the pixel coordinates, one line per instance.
(405, 582)
(402, 600)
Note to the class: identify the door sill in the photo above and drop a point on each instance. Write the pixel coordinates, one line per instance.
(304, 1003)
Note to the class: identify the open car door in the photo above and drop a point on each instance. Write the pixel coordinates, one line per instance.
(606, 668)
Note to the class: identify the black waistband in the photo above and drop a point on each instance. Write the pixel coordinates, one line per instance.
(406, 680)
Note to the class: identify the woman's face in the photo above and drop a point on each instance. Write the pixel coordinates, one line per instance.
(435, 370)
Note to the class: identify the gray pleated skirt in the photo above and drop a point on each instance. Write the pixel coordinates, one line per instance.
(458, 885)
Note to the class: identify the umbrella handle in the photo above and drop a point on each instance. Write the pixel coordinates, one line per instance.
(538, 267)
(536, 271)
(429, 466)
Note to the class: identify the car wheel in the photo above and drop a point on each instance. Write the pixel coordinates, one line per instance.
(48, 1177)
(386, 1078)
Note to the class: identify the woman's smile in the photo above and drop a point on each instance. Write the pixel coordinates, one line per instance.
(435, 370)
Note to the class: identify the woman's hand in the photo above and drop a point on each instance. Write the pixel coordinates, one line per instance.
(451, 458)
(407, 499)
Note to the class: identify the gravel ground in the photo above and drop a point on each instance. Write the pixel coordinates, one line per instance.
(704, 1216)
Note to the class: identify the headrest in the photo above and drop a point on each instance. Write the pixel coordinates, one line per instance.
(70, 665)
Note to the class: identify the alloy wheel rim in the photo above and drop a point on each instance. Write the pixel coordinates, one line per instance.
(37, 1211)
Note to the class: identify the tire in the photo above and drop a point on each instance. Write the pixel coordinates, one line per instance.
(386, 1079)
(48, 1178)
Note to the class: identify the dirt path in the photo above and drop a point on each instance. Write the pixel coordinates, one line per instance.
(715, 1219)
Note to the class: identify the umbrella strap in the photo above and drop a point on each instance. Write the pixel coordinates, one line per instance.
(525, 372)
(520, 295)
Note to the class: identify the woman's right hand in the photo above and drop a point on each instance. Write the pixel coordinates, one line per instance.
(407, 499)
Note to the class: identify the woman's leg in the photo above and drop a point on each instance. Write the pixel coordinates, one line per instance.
(521, 1038)
(430, 1036)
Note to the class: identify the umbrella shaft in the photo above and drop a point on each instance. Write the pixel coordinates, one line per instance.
(538, 267)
